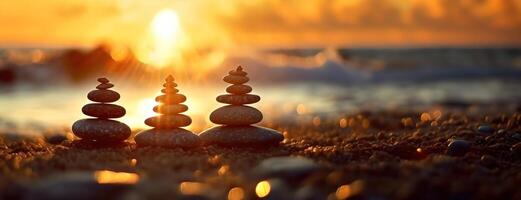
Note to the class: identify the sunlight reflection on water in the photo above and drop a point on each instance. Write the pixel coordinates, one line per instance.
(109, 177)
(61, 106)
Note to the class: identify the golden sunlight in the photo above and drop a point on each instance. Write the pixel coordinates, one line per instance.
(108, 177)
(164, 44)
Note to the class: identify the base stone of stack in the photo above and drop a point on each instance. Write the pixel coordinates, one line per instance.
(101, 130)
(169, 138)
(241, 136)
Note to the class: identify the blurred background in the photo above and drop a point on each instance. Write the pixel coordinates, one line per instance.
(307, 59)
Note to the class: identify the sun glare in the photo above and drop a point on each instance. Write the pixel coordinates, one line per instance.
(165, 41)
(165, 26)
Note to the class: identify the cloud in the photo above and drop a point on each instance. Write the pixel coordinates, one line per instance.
(495, 17)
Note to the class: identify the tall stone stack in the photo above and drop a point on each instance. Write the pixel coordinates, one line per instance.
(167, 131)
(101, 129)
(236, 119)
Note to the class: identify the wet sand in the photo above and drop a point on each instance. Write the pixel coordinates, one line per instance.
(367, 155)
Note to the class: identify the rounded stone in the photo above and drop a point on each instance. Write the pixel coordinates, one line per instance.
(169, 91)
(168, 121)
(169, 138)
(238, 89)
(104, 86)
(171, 98)
(102, 130)
(170, 109)
(485, 129)
(238, 99)
(241, 136)
(103, 110)
(238, 72)
(236, 115)
(234, 79)
(286, 167)
(170, 85)
(458, 147)
(103, 80)
(103, 96)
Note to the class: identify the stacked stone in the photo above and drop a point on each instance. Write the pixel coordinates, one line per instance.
(167, 131)
(237, 118)
(101, 128)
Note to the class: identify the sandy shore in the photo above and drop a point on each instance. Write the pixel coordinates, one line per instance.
(367, 155)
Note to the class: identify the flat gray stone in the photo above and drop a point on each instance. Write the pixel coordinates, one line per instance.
(239, 89)
(235, 79)
(104, 86)
(458, 147)
(103, 96)
(238, 99)
(102, 130)
(241, 136)
(103, 110)
(168, 121)
(171, 98)
(169, 138)
(236, 115)
(170, 109)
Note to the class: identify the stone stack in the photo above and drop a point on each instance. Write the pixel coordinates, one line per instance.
(101, 129)
(167, 131)
(236, 119)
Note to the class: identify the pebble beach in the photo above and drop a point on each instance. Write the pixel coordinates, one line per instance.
(392, 154)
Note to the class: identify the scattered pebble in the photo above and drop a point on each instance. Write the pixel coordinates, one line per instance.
(458, 147)
(488, 160)
(485, 129)
(516, 148)
(76, 185)
(287, 167)
(55, 138)
(309, 192)
(517, 136)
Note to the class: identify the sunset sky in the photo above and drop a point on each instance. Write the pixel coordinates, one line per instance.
(264, 23)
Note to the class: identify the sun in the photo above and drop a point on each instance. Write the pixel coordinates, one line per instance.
(165, 26)
(164, 44)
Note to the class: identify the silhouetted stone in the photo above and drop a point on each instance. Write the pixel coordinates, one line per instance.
(235, 79)
(168, 121)
(241, 136)
(167, 131)
(171, 99)
(101, 130)
(104, 111)
(238, 89)
(176, 137)
(236, 115)
(103, 96)
(104, 86)
(170, 109)
(238, 99)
